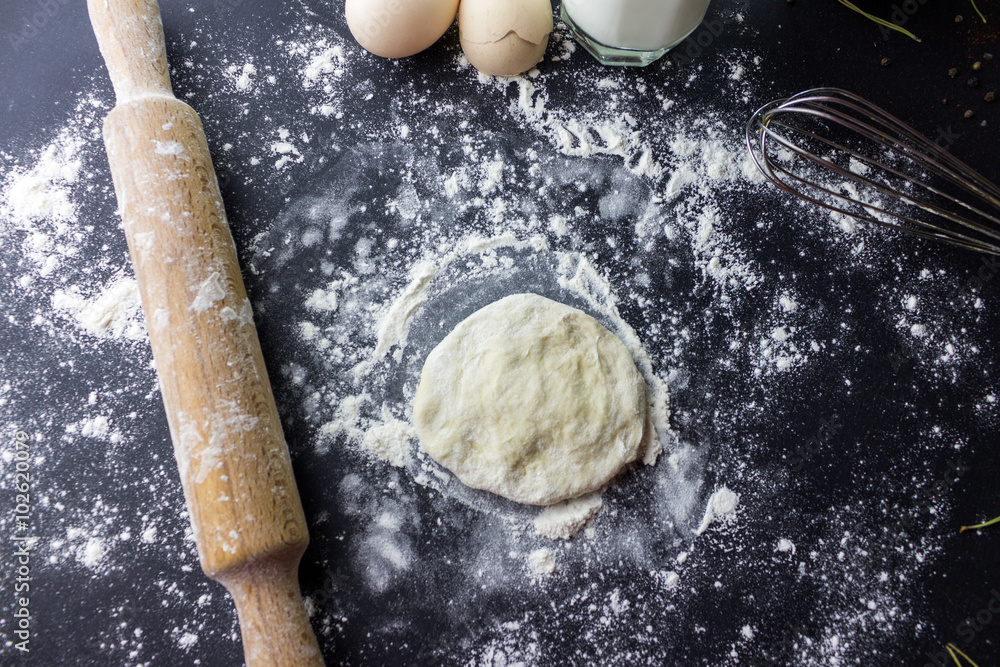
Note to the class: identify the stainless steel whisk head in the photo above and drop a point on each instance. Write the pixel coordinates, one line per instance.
(884, 171)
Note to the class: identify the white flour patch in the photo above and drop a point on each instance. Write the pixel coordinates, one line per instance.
(721, 504)
(564, 520)
(114, 312)
(542, 561)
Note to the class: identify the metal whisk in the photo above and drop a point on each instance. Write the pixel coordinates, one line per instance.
(838, 150)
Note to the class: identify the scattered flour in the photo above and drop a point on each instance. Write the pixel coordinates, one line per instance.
(542, 561)
(390, 440)
(564, 520)
(785, 546)
(93, 552)
(114, 312)
(615, 211)
(44, 190)
(721, 504)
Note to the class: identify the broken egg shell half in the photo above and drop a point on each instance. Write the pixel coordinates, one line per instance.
(399, 28)
(504, 37)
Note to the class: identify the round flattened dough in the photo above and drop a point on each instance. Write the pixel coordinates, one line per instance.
(531, 399)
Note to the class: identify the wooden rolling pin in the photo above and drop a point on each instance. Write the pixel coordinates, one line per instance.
(234, 464)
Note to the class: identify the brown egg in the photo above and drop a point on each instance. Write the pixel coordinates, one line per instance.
(504, 37)
(399, 28)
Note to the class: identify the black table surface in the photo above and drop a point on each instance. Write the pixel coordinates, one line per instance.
(148, 602)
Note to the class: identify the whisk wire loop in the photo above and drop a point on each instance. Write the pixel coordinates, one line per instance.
(969, 220)
(881, 187)
(957, 171)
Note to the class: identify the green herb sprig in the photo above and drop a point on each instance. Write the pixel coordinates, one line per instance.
(954, 652)
(892, 26)
(984, 524)
(977, 10)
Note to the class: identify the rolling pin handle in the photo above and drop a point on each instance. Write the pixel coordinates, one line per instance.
(130, 35)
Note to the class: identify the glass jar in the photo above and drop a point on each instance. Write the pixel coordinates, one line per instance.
(632, 32)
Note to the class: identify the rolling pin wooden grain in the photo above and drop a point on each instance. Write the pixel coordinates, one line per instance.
(234, 464)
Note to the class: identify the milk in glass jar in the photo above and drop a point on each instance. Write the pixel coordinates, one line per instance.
(632, 32)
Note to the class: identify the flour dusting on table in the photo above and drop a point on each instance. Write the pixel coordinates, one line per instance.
(400, 214)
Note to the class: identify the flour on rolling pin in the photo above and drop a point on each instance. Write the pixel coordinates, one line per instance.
(168, 147)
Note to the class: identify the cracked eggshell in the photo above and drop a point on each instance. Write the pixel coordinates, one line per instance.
(399, 28)
(504, 37)
(509, 56)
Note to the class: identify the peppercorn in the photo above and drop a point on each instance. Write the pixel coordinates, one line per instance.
(972, 82)
(959, 18)
(968, 113)
(990, 96)
(886, 62)
(953, 72)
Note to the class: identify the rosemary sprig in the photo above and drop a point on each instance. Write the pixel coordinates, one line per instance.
(977, 10)
(882, 22)
(955, 652)
(980, 525)
(892, 26)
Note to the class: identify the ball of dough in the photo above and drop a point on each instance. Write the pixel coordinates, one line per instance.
(531, 399)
